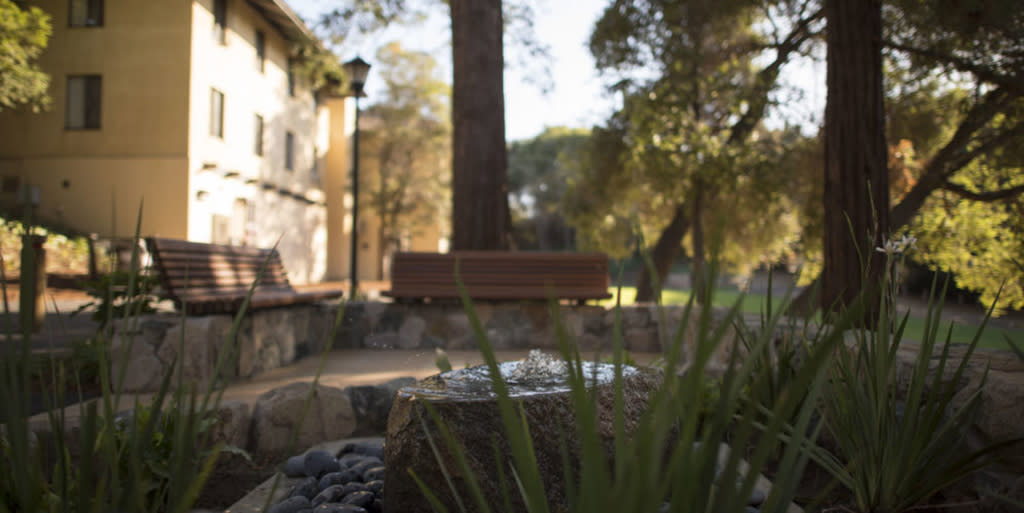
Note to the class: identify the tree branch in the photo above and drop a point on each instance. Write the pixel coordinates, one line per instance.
(766, 78)
(1014, 84)
(985, 196)
(954, 155)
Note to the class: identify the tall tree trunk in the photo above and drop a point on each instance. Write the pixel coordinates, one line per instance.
(856, 178)
(480, 215)
(698, 270)
(663, 254)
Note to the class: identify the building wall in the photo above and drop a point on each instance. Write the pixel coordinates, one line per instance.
(140, 150)
(235, 195)
(339, 200)
(419, 230)
(337, 187)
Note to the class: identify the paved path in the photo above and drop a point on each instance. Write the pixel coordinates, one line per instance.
(350, 368)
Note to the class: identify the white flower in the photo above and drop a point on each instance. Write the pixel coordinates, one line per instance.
(903, 245)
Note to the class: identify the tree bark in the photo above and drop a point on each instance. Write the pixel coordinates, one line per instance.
(480, 214)
(856, 177)
(663, 254)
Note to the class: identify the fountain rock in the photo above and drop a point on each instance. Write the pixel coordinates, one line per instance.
(465, 402)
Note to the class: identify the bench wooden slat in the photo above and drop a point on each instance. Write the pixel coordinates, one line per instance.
(500, 275)
(494, 293)
(215, 278)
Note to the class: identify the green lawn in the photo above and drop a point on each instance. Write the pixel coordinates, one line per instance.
(994, 338)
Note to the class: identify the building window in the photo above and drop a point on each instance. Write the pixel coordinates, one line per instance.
(289, 151)
(83, 107)
(85, 13)
(216, 113)
(258, 136)
(220, 21)
(261, 51)
(291, 78)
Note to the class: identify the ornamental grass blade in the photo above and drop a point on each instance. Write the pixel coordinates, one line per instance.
(518, 436)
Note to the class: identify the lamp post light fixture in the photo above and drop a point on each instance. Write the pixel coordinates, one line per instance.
(357, 70)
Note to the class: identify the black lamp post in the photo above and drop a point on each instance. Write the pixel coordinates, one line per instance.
(357, 70)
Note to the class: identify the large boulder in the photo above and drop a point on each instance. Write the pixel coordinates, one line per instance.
(470, 411)
(278, 413)
(372, 403)
(1000, 375)
(135, 348)
(232, 425)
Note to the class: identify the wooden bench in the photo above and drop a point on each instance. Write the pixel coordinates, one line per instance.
(215, 278)
(499, 275)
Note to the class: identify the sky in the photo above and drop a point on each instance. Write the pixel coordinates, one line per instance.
(577, 95)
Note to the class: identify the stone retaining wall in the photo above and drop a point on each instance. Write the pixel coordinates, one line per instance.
(274, 338)
(268, 339)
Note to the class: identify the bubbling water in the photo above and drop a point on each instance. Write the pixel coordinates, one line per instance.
(538, 373)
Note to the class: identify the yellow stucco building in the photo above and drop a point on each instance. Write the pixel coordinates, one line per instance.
(189, 106)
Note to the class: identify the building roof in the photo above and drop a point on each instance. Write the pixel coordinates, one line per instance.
(285, 20)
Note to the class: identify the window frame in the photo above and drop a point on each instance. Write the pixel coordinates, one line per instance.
(261, 51)
(217, 115)
(291, 78)
(289, 151)
(92, 117)
(258, 135)
(92, 7)
(220, 21)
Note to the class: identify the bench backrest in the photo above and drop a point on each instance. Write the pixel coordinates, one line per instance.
(196, 270)
(500, 274)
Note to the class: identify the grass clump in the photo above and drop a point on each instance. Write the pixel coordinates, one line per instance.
(895, 447)
(95, 457)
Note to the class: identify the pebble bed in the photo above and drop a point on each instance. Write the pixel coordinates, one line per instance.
(353, 482)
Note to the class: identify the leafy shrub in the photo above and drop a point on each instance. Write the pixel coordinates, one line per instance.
(893, 453)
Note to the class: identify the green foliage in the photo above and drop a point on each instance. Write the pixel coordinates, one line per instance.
(981, 243)
(155, 461)
(776, 364)
(364, 16)
(24, 32)
(320, 68)
(924, 117)
(114, 299)
(157, 453)
(593, 200)
(895, 452)
(688, 136)
(539, 170)
(406, 145)
(64, 251)
(538, 167)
